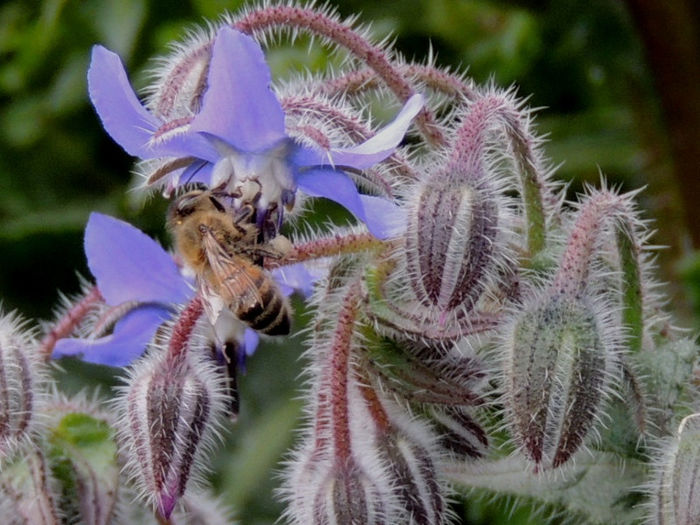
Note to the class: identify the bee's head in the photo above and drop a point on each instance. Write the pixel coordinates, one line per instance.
(191, 202)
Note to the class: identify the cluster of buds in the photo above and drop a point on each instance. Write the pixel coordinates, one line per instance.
(472, 325)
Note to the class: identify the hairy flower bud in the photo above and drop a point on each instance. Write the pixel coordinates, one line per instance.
(558, 357)
(20, 378)
(451, 242)
(170, 406)
(676, 492)
(181, 80)
(348, 495)
(28, 494)
(414, 478)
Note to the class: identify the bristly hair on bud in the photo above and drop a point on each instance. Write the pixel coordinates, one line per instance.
(558, 371)
(172, 404)
(460, 222)
(564, 345)
(28, 492)
(23, 382)
(675, 491)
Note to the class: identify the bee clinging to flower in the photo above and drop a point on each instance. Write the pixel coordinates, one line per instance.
(222, 246)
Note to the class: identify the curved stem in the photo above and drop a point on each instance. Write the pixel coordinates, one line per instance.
(356, 82)
(469, 151)
(68, 322)
(320, 23)
(341, 346)
(327, 247)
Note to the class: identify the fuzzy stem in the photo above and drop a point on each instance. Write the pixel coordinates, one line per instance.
(375, 408)
(327, 247)
(573, 273)
(469, 151)
(339, 370)
(356, 82)
(67, 323)
(183, 328)
(342, 35)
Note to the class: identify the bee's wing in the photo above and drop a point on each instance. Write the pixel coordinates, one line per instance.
(235, 282)
(213, 302)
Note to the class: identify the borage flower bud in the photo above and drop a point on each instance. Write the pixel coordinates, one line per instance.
(172, 404)
(27, 492)
(82, 456)
(349, 495)
(414, 477)
(452, 242)
(20, 378)
(676, 492)
(557, 374)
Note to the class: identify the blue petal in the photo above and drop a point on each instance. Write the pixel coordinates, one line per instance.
(370, 152)
(295, 277)
(387, 219)
(129, 339)
(250, 341)
(128, 122)
(239, 107)
(338, 187)
(130, 266)
(122, 115)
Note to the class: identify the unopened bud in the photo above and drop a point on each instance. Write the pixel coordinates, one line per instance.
(171, 406)
(182, 80)
(413, 475)
(27, 492)
(558, 357)
(82, 453)
(20, 378)
(451, 241)
(349, 495)
(677, 490)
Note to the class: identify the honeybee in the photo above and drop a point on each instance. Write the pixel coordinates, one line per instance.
(222, 248)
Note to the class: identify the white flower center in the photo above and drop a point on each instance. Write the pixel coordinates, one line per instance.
(269, 169)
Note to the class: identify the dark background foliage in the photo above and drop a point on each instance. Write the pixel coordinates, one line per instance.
(618, 84)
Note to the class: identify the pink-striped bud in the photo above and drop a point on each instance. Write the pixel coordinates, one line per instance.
(348, 495)
(20, 378)
(450, 242)
(28, 495)
(460, 432)
(676, 493)
(171, 406)
(412, 471)
(557, 367)
(181, 80)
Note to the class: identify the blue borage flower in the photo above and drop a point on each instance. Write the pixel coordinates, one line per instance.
(239, 134)
(134, 272)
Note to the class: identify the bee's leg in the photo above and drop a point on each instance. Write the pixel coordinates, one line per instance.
(244, 214)
(276, 248)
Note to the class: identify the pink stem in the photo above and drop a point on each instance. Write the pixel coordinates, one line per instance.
(327, 247)
(339, 370)
(183, 328)
(375, 57)
(66, 324)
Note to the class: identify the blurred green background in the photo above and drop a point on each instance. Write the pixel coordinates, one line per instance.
(598, 69)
